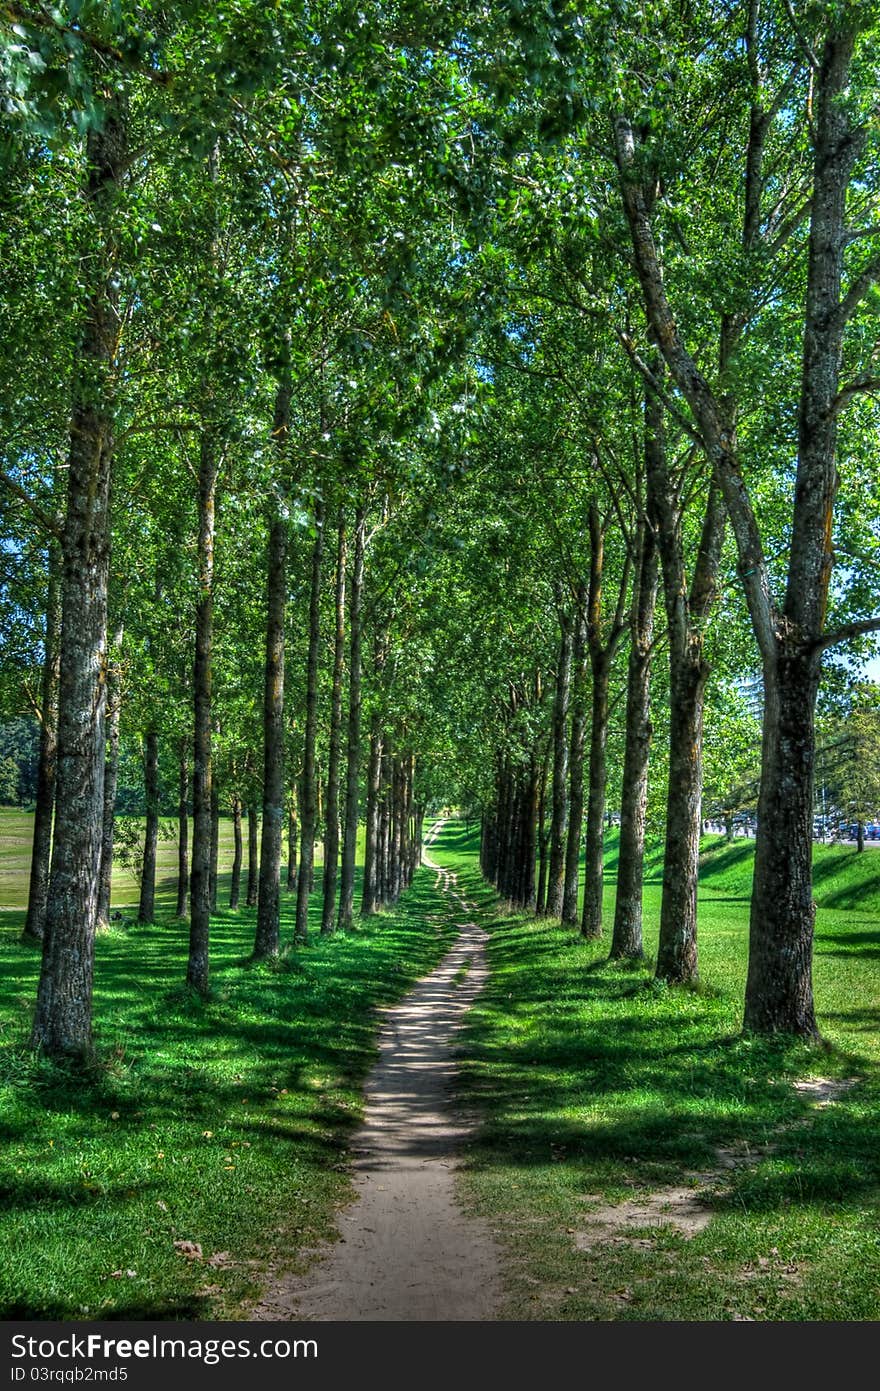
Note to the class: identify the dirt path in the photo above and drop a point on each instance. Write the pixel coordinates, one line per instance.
(406, 1250)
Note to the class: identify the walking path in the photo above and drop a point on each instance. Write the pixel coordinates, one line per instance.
(406, 1250)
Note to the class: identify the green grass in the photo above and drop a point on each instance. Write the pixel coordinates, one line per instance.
(594, 1083)
(225, 1122)
(220, 1123)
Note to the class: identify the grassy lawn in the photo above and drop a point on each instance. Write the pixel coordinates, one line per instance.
(224, 1123)
(220, 1124)
(597, 1087)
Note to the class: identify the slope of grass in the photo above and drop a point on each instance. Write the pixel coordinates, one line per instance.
(218, 1124)
(595, 1084)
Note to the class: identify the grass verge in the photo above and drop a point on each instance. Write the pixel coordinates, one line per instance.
(209, 1141)
(601, 1091)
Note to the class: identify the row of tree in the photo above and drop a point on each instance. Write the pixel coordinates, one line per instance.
(561, 324)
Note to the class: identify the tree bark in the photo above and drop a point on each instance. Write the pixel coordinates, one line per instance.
(779, 992)
(309, 776)
(253, 875)
(626, 940)
(38, 889)
(603, 638)
(371, 852)
(215, 844)
(111, 778)
(331, 806)
(292, 843)
(594, 858)
(543, 836)
(352, 774)
(267, 941)
(200, 877)
(559, 801)
(63, 1016)
(147, 905)
(235, 885)
(183, 829)
(576, 761)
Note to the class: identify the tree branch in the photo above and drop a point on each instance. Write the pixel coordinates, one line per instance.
(46, 522)
(847, 632)
(858, 385)
(858, 289)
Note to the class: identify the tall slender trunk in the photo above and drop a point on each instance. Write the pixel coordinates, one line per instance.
(591, 919)
(779, 993)
(38, 888)
(371, 850)
(147, 905)
(686, 611)
(779, 989)
(200, 877)
(603, 637)
(253, 875)
(215, 844)
(397, 817)
(309, 776)
(183, 828)
(352, 773)
(331, 814)
(292, 843)
(111, 778)
(235, 885)
(63, 1016)
(626, 938)
(559, 800)
(543, 836)
(267, 940)
(688, 674)
(576, 761)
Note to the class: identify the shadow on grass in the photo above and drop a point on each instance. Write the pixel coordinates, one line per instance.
(577, 1063)
(221, 1119)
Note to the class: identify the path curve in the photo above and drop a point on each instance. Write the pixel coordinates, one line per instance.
(406, 1250)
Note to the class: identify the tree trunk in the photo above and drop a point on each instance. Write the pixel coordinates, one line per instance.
(559, 801)
(371, 850)
(688, 673)
(267, 941)
(591, 920)
(235, 885)
(576, 762)
(183, 830)
(779, 990)
(111, 778)
(349, 841)
(292, 844)
(253, 876)
(63, 1016)
(331, 813)
(543, 833)
(38, 888)
(147, 905)
(626, 938)
(309, 776)
(215, 844)
(200, 879)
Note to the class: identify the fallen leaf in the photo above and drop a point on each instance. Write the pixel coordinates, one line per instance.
(191, 1249)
